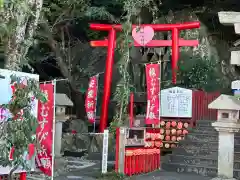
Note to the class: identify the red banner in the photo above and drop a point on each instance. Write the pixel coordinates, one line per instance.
(153, 93)
(44, 130)
(91, 99)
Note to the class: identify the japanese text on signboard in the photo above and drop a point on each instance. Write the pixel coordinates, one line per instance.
(91, 99)
(44, 130)
(176, 102)
(153, 89)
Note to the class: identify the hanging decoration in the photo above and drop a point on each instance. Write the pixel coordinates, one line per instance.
(44, 130)
(143, 35)
(11, 152)
(91, 99)
(153, 90)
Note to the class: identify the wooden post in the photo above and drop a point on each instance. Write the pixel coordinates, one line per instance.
(121, 150)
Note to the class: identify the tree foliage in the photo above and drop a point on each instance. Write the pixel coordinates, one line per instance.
(200, 73)
(19, 130)
(63, 35)
(18, 21)
(62, 41)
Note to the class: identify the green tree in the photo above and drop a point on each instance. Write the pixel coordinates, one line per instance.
(63, 36)
(18, 22)
(19, 130)
(200, 73)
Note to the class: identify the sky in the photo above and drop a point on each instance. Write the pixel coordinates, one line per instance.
(5, 91)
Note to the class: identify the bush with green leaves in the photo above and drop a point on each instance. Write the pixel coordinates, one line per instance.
(19, 130)
(198, 72)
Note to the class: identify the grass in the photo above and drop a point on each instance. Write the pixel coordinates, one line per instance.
(112, 176)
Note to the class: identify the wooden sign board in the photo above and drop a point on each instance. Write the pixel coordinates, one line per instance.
(176, 102)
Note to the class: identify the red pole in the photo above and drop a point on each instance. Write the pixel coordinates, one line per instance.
(131, 109)
(107, 79)
(175, 54)
(23, 176)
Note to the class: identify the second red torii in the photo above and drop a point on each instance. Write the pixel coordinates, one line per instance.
(175, 43)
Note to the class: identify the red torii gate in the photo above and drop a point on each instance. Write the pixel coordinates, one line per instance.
(111, 44)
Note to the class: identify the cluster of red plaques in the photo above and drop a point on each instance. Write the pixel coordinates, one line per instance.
(168, 136)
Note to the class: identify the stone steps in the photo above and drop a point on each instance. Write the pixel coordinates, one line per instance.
(204, 123)
(210, 160)
(206, 126)
(204, 144)
(203, 128)
(205, 138)
(204, 170)
(198, 152)
(193, 151)
(207, 131)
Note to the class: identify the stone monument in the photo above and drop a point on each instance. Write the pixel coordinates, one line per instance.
(227, 124)
(61, 103)
(232, 19)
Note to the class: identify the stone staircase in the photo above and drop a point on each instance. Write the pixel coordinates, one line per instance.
(198, 152)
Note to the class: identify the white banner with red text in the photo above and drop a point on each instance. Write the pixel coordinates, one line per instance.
(44, 132)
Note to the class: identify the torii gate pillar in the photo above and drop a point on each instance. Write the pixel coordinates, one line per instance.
(175, 43)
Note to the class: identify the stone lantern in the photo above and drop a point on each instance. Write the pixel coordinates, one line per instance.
(228, 106)
(227, 124)
(61, 103)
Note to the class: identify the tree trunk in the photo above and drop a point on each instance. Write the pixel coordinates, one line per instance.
(78, 100)
(21, 37)
(77, 97)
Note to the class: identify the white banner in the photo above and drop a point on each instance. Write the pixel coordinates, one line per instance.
(105, 152)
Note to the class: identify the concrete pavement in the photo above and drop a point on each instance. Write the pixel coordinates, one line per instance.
(93, 173)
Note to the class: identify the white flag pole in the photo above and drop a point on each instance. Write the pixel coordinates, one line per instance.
(53, 129)
(94, 125)
(160, 79)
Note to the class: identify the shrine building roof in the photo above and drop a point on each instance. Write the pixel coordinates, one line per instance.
(225, 102)
(63, 100)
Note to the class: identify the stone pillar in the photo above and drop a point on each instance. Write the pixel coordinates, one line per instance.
(225, 148)
(236, 87)
(121, 150)
(58, 137)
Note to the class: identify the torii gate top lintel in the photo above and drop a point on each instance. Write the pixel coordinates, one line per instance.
(110, 43)
(156, 27)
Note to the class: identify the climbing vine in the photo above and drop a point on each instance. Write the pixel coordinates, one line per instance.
(18, 132)
(132, 9)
